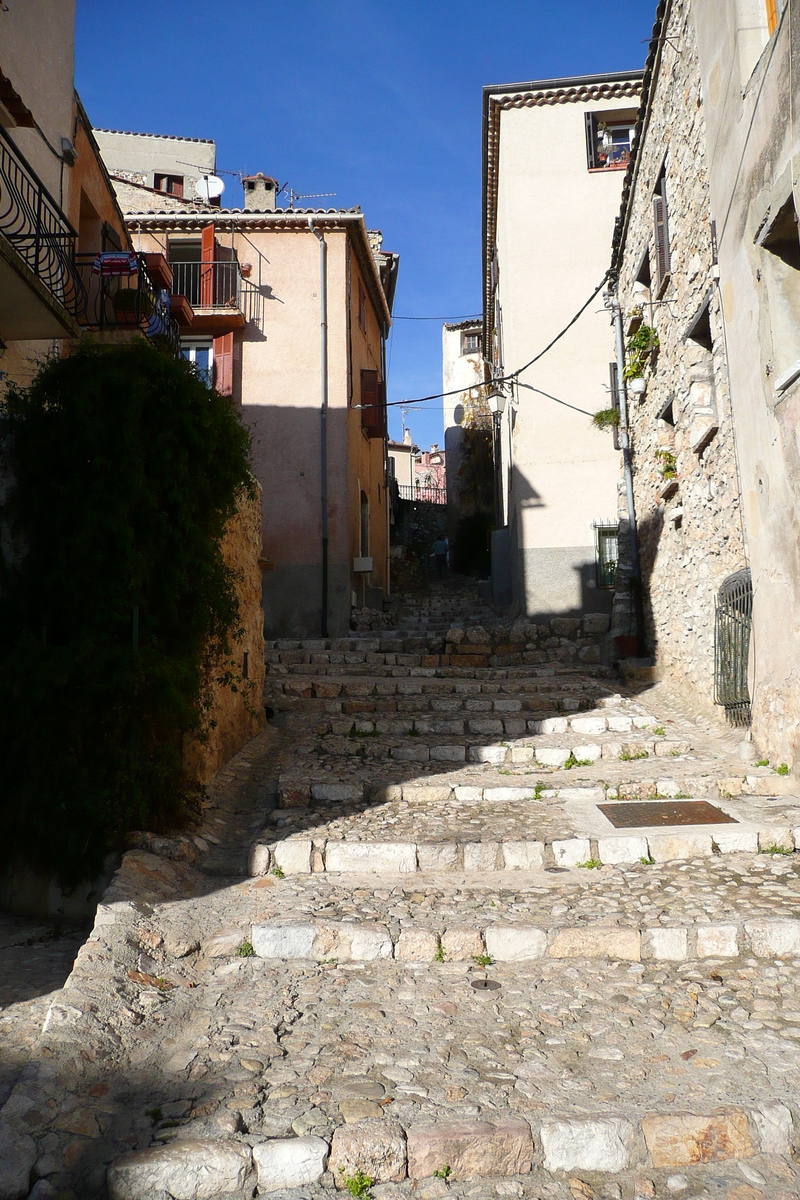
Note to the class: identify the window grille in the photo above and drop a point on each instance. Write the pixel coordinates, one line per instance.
(661, 230)
(733, 623)
(470, 343)
(606, 542)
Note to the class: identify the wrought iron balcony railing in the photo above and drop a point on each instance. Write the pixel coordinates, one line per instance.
(217, 285)
(37, 229)
(127, 301)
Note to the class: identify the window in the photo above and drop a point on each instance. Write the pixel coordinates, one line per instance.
(362, 307)
(782, 277)
(373, 404)
(606, 553)
(470, 343)
(609, 139)
(172, 184)
(201, 355)
(661, 231)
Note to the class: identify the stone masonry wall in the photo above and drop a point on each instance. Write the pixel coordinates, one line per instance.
(237, 712)
(690, 527)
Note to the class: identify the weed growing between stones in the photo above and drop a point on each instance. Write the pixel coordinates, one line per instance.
(762, 762)
(537, 791)
(439, 955)
(626, 756)
(114, 595)
(483, 960)
(775, 849)
(781, 770)
(442, 1172)
(358, 1185)
(647, 860)
(245, 950)
(591, 864)
(660, 731)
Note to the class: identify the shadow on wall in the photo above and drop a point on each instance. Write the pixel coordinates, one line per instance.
(286, 458)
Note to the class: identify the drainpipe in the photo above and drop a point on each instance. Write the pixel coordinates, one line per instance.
(611, 301)
(323, 412)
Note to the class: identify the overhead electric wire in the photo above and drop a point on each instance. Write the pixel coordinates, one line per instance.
(449, 320)
(514, 374)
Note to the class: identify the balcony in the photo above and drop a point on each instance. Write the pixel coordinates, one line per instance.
(41, 293)
(126, 299)
(220, 298)
(424, 495)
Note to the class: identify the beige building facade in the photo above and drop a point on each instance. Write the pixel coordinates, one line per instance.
(246, 285)
(554, 154)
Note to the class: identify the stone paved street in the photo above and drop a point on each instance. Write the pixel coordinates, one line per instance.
(459, 981)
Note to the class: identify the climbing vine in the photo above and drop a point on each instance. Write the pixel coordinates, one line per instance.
(121, 472)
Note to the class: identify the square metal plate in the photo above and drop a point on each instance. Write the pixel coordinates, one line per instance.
(634, 813)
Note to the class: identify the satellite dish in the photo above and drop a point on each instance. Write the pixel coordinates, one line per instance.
(209, 187)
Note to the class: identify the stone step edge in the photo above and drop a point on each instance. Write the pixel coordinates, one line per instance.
(295, 793)
(472, 1148)
(304, 856)
(370, 941)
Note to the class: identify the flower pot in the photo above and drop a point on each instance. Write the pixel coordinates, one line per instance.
(627, 645)
(637, 386)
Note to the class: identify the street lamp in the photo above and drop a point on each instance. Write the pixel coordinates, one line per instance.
(496, 399)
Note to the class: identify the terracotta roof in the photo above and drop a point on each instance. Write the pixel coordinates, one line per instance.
(173, 137)
(472, 323)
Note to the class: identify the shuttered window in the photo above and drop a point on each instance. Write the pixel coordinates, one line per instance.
(373, 404)
(661, 227)
(207, 266)
(223, 364)
(591, 140)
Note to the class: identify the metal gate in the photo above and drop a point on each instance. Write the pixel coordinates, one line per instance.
(733, 623)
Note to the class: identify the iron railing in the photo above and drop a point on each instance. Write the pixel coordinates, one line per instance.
(37, 229)
(217, 284)
(427, 495)
(733, 624)
(127, 302)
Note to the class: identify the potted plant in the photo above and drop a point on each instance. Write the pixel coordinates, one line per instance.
(641, 347)
(131, 305)
(606, 418)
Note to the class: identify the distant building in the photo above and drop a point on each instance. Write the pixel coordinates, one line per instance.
(246, 285)
(429, 470)
(554, 156)
(401, 461)
(463, 373)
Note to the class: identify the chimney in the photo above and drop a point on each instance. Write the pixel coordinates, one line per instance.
(260, 192)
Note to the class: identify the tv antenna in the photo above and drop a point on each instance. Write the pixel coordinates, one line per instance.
(293, 195)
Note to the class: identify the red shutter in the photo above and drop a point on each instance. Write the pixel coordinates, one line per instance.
(206, 266)
(370, 403)
(772, 17)
(223, 364)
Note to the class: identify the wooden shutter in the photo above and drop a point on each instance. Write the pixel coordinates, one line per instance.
(207, 266)
(371, 407)
(591, 139)
(223, 364)
(661, 223)
(772, 16)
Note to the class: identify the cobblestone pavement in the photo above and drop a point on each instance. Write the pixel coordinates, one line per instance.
(466, 1006)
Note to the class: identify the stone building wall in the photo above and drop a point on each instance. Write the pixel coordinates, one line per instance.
(690, 527)
(237, 711)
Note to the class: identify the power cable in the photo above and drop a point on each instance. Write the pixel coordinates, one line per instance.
(449, 320)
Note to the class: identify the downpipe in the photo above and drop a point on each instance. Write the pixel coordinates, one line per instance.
(323, 325)
(611, 302)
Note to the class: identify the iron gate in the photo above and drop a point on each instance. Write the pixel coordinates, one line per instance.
(733, 623)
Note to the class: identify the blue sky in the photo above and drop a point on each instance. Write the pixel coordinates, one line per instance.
(378, 102)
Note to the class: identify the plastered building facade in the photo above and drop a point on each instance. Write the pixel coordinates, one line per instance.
(554, 153)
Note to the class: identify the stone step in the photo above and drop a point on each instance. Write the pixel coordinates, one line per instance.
(526, 695)
(418, 666)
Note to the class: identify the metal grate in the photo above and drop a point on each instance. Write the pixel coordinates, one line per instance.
(733, 623)
(606, 540)
(636, 814)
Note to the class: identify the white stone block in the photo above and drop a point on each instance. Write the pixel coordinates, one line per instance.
(293, 856)
(488, 754)
(382, 857)
(773, 939)
(416, 945)
(368, 942)
(437, 856)
(775, 1129)
(284, 939)
(336, 792)
(481, 856)
(587, 1145)
(501, 795)
(522, 856)
(460, 945)
(551, 756)
(289, 1162)
(588, 724)
(670, 945)
(188, 1170)
(668, 789)
(465, 793)
(550, 725)
(572, 851)
(622, 849)
(515, 943)
(644, 722)
(733, 838)
(589, 753)
(670, 847)
(717, 941)
(620, 724)
(258, 860)
(775, 836)
(522, 754)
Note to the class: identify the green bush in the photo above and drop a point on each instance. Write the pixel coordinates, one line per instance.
(122, 469)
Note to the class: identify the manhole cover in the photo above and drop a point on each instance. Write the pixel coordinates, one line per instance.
(632, 814)
(485, 985)
(557, 870)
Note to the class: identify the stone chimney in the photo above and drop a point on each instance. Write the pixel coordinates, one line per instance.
(260, 192)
